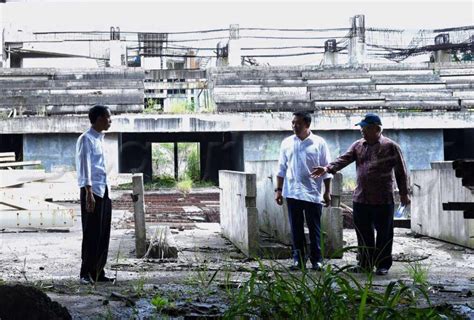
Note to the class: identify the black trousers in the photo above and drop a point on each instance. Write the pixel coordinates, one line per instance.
(95, 235)
(374, 251)
(297, 211)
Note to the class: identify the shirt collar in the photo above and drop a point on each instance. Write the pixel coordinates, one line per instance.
(378, 140)
(95, 133)
(306, 139)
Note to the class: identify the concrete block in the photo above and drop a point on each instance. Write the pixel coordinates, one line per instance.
(432, 188)
(331, 229)
(272, 218)
(238, 212)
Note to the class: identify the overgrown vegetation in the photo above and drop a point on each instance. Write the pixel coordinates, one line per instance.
(189, 168)
(274, 293)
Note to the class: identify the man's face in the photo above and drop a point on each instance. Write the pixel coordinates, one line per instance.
(104, 121)
(369, 132)
(298, 125)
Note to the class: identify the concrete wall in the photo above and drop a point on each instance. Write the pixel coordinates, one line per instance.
(238, 212)
(272, 218)
(420, 147)
(53, 150)
(59, 150)
(431, 188)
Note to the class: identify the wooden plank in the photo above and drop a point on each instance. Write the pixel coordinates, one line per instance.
(19, 164)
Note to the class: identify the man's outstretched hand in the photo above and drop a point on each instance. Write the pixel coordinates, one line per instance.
(318, 172)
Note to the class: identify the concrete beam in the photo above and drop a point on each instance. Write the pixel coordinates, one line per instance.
(237, 122)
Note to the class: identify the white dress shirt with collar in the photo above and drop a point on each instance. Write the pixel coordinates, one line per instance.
(297, 159)
(90, 162)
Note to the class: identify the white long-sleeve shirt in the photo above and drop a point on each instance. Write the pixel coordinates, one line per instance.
(90, 162)
(297, 159)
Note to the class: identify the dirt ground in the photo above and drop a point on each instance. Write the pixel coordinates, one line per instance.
(50, 261)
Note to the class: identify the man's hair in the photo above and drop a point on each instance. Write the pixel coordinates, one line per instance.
(306, 116)
(97, 111)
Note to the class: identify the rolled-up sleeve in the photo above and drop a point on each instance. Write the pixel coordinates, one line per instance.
(83, 162)
(344, 160)
(325, 159)
(282, 162)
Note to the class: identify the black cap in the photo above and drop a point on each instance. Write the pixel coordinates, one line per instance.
(370, 118)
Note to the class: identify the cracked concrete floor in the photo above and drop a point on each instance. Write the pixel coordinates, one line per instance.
(51, 260)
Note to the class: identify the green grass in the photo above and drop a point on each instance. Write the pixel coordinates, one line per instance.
(167, 182)
(274, 293)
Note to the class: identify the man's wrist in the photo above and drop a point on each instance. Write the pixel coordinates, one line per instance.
(278, 189)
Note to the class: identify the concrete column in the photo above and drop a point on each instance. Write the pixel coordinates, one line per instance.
(115, 53)
(330, 53)
(135, 156)
(222, 54)
(332, 221)
(138, 198)
(357, 40)
(442, 56)
(234, 46)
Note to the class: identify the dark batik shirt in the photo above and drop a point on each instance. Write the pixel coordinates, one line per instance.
(375, 165)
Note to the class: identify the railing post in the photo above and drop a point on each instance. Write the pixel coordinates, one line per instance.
(139, 214)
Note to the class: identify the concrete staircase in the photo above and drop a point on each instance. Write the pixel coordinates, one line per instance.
(401, 87)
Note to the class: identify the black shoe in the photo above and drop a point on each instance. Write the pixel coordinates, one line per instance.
(381, 271)
(105, 279)
(297, 267)
(356, 269)
(86, 280)
(318, 266)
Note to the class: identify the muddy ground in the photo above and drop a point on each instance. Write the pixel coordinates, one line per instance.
(184, 287)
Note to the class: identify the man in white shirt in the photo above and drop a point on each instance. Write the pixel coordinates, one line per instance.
(298, 155)
(96, 206)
